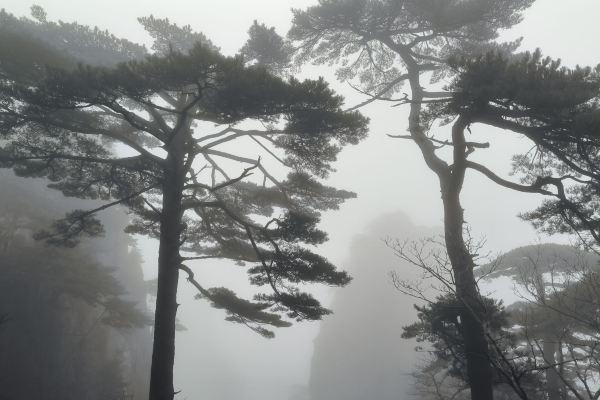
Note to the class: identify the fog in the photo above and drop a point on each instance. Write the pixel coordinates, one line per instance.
(398, 197)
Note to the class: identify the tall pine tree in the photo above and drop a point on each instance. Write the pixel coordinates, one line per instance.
(381, 45)
(162, 136)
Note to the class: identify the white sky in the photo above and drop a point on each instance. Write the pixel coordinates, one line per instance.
(388, 175)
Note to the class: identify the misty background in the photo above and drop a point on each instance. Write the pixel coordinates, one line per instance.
(220, 360)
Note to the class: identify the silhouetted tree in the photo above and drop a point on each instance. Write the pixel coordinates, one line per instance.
(555, 107)
(386, 43)
(265, 47)
(439, 326)
(135, 134)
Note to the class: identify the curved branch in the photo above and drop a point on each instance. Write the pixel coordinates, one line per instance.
(245, 173)
(537, 187)
(378, 95)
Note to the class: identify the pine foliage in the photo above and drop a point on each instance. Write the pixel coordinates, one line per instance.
(65, 125)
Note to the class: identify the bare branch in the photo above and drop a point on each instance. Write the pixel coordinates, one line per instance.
(379, 95)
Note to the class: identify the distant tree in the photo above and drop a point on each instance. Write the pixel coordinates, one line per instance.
(63, 308)
(69, 40)
(558, 327)
(265, 47)
(381, 45)
(142, 134)
(546, 346)
(527, 266)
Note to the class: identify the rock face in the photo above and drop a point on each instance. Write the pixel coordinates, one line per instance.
(359, 353)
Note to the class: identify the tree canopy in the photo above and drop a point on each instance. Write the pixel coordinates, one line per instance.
(162, 135)
(555, 107)
(53, 130)
(380, 45)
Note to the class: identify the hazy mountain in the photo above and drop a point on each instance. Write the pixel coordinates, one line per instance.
(359, 353)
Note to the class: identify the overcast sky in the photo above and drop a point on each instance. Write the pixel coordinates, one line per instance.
(387, 174)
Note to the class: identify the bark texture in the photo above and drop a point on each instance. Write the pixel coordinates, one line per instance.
(451, 178)
(163, 355)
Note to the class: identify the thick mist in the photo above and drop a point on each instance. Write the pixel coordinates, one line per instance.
(358, 352)
(75, 320)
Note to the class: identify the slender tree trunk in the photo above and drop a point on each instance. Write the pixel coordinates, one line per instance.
(479, 369)
(163, 352)
(561, 370)
(549, 348)
(553, 382)
(451, 177)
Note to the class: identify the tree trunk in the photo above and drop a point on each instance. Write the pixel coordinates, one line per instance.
(549, 349)
(479, 369)
(554, 383)
(163, 351)
(451, 177)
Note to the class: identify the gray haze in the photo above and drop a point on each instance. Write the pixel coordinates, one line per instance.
(54, 345)
(358, 353)
(217, 360)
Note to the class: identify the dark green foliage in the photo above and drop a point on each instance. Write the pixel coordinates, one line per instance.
(64, 124)
(242, 311)
(295, 226)
(558, 109)
(266, 48)
(439, 324)
(369, 37)
(78, 42)
(235, 93)
(299, 306)
(67, 231)
(536, 91)
(295, 264)
(439, 328)
(169, 37)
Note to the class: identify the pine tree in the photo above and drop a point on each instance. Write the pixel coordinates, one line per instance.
(380, 45)
(142, 134)
(558, 110)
